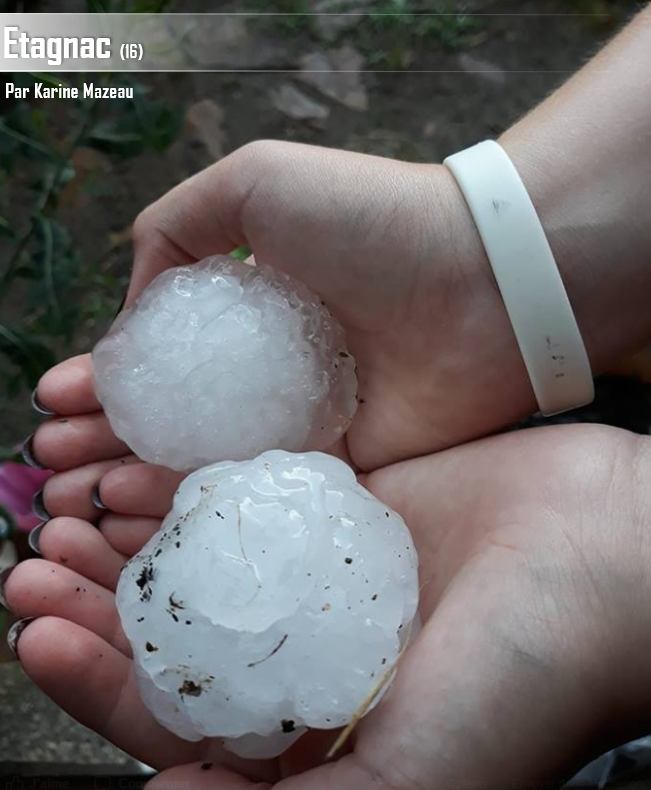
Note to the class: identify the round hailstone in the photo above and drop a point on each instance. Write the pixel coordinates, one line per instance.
(221, 361)
(275, 597)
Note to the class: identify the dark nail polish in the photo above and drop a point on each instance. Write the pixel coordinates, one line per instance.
(97, 499)
(38, 506)
(34, 537)
(28, 454)
(39, 407)
(4, 575)
(15, 632)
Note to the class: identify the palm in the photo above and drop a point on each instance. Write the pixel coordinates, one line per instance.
(374, 238)
(502, 564)
(369, 256)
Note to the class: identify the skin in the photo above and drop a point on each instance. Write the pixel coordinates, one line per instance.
(534, 546)
(535, 607)
(438, 362)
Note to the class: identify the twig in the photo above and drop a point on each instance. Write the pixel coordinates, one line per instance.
(24, 139)
(375, 691)
(366, 704)
(46, 227)
(273, 653)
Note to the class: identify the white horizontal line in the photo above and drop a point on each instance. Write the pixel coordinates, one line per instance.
(406, 72)
(309, 13)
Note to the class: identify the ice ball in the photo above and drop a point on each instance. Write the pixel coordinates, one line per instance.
(274, 598)
(221, 361)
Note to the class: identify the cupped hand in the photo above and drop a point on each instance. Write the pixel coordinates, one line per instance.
(534, 550)
(391, 248)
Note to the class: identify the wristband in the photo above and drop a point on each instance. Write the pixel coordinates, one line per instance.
(523, 264)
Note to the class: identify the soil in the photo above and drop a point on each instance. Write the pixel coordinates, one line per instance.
(435, 107)
(439, 105)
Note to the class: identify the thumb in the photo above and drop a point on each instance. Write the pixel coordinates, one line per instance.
(203, 776)
(199, 217)
(343, 223)
(345, 774)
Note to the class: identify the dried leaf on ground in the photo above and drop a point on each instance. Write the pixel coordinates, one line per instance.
(336, 74)
(297, 105)
(334, 16)
(483, 69)
(228, 42)
(203, 122)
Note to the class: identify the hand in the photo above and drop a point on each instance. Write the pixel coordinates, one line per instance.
(535, 548)
(391, 248)
(394, 251)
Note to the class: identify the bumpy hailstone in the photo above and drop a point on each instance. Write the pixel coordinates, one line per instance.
(274, 598)
(221, 361)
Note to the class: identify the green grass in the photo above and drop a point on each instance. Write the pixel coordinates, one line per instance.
(42, 269)
(385, 32)
(285, 17)
(601, 14)
(396, 29)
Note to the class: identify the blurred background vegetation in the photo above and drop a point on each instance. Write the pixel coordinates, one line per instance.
(408, 79)
(398, 82)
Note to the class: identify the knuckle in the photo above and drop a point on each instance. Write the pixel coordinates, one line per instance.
(23, 584)
(112, 485)
(261, 154)
(57, 535)
(41, 444)
(143, 226)
(52, 492)
(46, 445)
(254, 172)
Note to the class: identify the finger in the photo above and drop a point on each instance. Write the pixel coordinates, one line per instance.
(93, 682)
(70, 493)
(204, 775)
(140, 490)
(347, 773)
(127, 534)
(63, 659)
(68, 388)
(81, 547)
(200, 217)
(37, 588)
(69, 442)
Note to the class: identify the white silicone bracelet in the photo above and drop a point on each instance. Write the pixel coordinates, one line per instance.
(534, 295)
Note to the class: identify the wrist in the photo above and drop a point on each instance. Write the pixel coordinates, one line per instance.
(484, 330)
(600, 246)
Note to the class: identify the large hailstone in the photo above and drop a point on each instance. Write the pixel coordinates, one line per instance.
(274, 598)
(221, 361)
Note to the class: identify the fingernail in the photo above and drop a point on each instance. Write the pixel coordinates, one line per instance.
(28, 454)
(4, 575)
(15, 632)
(39, 407)
(97, 499)
(38, 506)
(34, 537)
